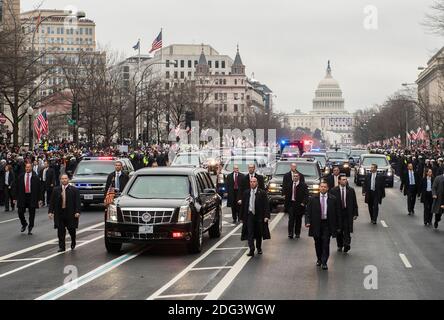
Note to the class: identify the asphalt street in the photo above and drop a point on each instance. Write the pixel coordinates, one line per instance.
(405, 259)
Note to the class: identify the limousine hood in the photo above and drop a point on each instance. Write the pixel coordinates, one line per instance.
(126, 201)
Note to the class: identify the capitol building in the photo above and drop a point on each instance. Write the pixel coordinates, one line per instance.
(328, 113)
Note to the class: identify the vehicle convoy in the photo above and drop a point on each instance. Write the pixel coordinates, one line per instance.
(355, 156)
(339, 159)
(189, 159)
(321, 158)
(384, 168)
(165, 206)
(309, 168)
(91, 174)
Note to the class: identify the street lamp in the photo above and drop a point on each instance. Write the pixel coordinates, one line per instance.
(30, 113)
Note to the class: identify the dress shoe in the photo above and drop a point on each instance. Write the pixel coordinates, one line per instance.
(347, 249)
(374, 222)
(339, 249)
(250, 254)
(259, 251)
(30, 232)
(297, 236)
(290, 237)
(24, 228)
(324, 267)
(410, 214)
(6, 210)
(61, 250)
(73, 244)
(234, 221)
(436, 224)
(318, 263)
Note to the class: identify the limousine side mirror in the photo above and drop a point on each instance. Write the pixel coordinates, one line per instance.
(131, 174)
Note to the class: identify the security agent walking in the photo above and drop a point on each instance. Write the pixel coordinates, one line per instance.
(48, 181)
(348, 211)
(296, 199)
(233, 188)
(117, 179)
(255, 217)
(288, 177)
(426, 195)
(28, 197)
(411, 184)
(9, 187)
(245, 184)
(323, 220)
(64, 208)
(438, 198)
(373, 190)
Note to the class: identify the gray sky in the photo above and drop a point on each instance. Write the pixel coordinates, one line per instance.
(286, 43)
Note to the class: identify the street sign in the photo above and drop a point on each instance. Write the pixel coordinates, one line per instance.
(2, 119)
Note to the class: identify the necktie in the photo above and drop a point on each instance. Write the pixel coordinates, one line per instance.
(322, 206)
(235, 182)
(27, 185)
(343, 198)
(63, 197)
(252, 201)
(373, 182)
(294, 191)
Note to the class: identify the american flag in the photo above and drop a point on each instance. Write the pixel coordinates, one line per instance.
(41, 124)
(157, 43)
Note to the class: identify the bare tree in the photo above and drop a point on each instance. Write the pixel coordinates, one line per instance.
(434, 21)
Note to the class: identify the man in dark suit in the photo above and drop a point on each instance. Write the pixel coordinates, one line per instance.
(28, 196)
(288, 178)
(255, 216)
(438, 198)
(245, 185)
(233, 188)
(333, 179)
(64, 208)
(348, 210)
(323, 220)
(373, 190)
(9, 187)
(426, 194)
(296, 199)
(117, 179)
(411, 184)
(47, 178)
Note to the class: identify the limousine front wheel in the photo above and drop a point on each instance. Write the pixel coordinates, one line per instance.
(112, 247)
(195, 245)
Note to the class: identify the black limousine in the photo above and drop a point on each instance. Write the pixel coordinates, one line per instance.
(165, 205)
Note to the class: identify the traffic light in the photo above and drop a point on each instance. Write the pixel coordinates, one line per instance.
(75, 111)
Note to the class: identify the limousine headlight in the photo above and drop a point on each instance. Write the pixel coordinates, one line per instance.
(112, 213)
(273, 185)
(184, 214)
(220, 178)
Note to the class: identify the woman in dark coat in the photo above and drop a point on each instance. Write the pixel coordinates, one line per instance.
(426, 195)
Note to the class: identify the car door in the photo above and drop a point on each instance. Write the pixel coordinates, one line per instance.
(205, 200)
(214, 199)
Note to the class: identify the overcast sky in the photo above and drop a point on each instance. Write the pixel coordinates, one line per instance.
(286, 43)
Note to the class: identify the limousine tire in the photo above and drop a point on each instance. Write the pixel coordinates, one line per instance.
(216, 229)
(195, 245)
(112, 247)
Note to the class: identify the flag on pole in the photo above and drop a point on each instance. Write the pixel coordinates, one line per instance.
(137, 46)
(41, 125)
(157, 43)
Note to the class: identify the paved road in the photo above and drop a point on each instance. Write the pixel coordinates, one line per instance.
(408, 257)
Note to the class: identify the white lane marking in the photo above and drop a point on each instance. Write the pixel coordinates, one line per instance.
(97, 230)
(405, 261)
(227, 224)
(227, 215)
(49, 242)
(211, 268)
(234, 248)
(183, 295)
(20, 260)
(9, 220)
(384, 224)
(191, 266)
(46, 258)
(219, 289)
(90, 276)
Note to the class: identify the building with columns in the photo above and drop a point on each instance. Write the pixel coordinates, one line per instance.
(328, 113)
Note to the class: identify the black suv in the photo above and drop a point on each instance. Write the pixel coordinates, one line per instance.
(339, 159)
(91, 174)
(165, 205)
(309, 168)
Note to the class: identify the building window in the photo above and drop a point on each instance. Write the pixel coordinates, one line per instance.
(195, 62)
(189, 64)
(235, 108)
(167, 75)
(182, 75)
(225, 81)
(176, 74)
(167, 63)
(223, 64)
(235, 81)
(209, 64)
(225, 108)
(190, 74)
(182, 63)
(236, 96)
(216, 63)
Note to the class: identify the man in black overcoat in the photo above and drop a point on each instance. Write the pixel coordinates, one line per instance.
(255, 217)
(373, 190)
(64, 208)
(234, 180)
